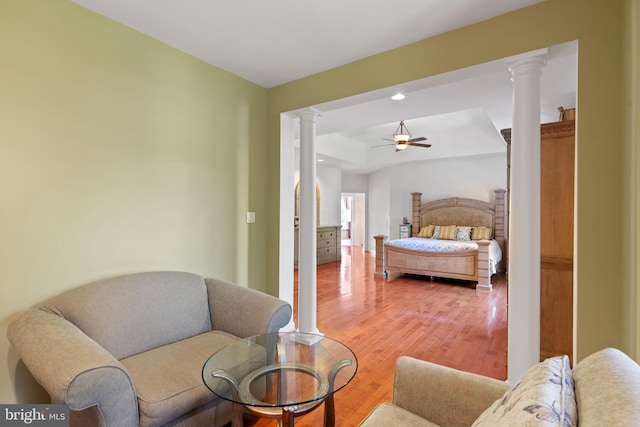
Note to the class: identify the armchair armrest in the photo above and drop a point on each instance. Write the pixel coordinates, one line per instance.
(73, 368)
(442, 395)
(245, 312)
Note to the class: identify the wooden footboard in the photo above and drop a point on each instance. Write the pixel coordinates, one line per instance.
(453, 265)
(472, 265)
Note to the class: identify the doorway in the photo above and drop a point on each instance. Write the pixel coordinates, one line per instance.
(352, 219)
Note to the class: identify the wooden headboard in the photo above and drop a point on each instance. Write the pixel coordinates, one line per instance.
(461, 211)
(458, 211)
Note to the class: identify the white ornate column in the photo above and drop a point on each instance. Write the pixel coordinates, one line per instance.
(524, 235)
(307, 261)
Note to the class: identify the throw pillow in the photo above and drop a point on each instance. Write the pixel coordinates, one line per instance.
(544, 397)
(463, 233)
(436, 232)
(481, 233)
(447, 232)
(427, 231)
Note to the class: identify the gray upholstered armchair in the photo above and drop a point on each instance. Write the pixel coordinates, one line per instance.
(129, 351)
(601, 390)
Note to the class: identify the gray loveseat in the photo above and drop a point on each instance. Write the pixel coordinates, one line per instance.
(129, 351)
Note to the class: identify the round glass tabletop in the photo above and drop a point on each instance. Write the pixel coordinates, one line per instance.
(279, 370)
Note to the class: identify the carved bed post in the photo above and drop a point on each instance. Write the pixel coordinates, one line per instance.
(415, 214)
(379, 255)
(484, 271)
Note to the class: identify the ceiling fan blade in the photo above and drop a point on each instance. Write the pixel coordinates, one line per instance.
(383, 145)
(387, 139)
(422, 138)
(420, 145)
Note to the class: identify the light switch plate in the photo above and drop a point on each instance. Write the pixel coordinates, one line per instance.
(251, 217)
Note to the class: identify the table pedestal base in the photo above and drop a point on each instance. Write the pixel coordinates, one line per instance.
(286, 415)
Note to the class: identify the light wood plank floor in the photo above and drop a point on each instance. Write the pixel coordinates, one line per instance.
(446, 322)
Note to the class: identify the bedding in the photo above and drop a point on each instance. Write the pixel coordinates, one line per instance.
(437, 245)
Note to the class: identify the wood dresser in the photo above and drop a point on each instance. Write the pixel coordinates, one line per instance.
(327, 245)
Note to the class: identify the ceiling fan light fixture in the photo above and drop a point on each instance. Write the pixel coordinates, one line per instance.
(401, 137)
(402, 134)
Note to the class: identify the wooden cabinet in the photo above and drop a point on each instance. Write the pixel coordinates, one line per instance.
(327, 245)
(557, 171)
(557, 163)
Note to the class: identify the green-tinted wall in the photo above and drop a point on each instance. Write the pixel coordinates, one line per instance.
(118, 154)
(604, 316)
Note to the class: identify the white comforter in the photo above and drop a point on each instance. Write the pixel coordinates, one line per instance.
(436, 245)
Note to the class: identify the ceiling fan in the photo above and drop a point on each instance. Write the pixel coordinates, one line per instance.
(402, 139)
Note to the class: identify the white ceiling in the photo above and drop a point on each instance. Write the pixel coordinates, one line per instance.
(274, 42)
(460, 113)
(270, 43)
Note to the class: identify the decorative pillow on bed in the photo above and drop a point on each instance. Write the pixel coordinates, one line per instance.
(447, 232)
(427, 231)
(463, 233)
(436, 232)
(481, 233)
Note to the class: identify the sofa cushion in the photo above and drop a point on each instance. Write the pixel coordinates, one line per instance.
(544, 397)
(608, 389)
(168, 379)
(387, 414)
(130, 314)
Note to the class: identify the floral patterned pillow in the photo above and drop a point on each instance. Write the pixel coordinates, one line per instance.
(463, 233)
(544, 397)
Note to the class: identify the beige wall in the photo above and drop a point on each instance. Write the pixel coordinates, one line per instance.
(118, 154)
(604, 280)
(632, 154)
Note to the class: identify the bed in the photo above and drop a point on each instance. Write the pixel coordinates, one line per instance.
(472, 260)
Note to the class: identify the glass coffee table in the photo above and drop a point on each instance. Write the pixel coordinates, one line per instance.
(281, 375)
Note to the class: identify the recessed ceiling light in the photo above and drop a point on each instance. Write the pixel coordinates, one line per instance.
(320, 160)
(398, 97)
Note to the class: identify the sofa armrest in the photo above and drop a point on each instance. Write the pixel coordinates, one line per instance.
(73, 368)
(245, 312)
(442, 395)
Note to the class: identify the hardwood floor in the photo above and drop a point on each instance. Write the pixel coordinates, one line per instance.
(443, 321)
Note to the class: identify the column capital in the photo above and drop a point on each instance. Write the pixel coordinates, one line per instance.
(309, 113)
(528, 61)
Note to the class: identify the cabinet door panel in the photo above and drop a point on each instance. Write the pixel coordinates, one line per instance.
(557, 166)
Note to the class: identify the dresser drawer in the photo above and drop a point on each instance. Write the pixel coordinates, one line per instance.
(325, 234)
(325, 243)
(329, 251)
